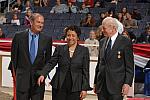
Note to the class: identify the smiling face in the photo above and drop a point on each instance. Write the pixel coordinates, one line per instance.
(109, 25)
(37, 24)
(107, 30)
(89, 16)
(124, 10)
(29, 13)
(148, 31)
(71, 37)
(119, 15)
(92, 35)
(15, 17)
(83, 6)
(28, 4)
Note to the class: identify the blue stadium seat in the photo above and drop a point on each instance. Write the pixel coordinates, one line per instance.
(76, 16)
(68, 22)
(57, 23)
(64, 16)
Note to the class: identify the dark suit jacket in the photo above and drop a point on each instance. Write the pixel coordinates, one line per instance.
(79, 66)
(25, 70)
(117, 68)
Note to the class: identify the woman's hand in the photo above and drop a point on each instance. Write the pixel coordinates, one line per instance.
(83, 95)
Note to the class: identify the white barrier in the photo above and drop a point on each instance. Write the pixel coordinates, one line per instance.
(7, 79)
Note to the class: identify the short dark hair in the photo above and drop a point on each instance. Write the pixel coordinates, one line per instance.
(89, 13)
(74, 28)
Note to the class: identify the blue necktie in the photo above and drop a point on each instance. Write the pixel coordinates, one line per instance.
(108, 49)
(32, 49)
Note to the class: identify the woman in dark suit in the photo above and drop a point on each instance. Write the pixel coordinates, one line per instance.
(71, 80)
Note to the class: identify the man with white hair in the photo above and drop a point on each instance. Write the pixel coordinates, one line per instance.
(115, 67)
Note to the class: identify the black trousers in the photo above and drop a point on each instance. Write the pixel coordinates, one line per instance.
(105, 95)
(34, 93)
(65, 93)
(62, 94)
(30, 96)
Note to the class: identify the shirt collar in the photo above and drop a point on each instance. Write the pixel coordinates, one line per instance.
(31, 33)
(113, 38)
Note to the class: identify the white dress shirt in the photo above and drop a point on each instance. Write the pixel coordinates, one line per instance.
(113, 38)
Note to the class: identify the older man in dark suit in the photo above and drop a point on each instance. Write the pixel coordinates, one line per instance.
(115, 68)
(29, 53)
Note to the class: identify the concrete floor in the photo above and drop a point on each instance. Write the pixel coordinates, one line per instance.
(6, 93)
(47, 94)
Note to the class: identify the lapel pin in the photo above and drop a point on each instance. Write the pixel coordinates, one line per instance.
(119, 56)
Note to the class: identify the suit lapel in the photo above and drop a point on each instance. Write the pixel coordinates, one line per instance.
(77, 51)
(102, 54)
(66, 52)
(26, 44)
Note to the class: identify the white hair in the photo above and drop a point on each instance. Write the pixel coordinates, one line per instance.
(120, 26)
(110, 21)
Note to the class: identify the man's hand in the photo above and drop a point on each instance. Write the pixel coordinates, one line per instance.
(40, 80)
(125, 89)
(83, 95)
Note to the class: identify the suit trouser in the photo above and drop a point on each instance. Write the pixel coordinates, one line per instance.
(62, 94)
(28, 96)
(105, 95)
(65, 93)
(32, 93)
